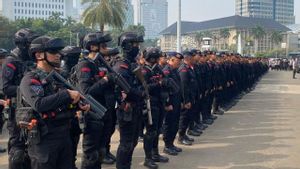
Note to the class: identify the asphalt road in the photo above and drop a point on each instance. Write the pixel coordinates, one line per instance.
(261, 131)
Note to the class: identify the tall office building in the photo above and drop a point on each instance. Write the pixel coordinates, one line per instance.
(153, 15)
(129, 20)
(281, 11)
(18, 9)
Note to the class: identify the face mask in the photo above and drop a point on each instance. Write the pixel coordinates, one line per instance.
(133, 53)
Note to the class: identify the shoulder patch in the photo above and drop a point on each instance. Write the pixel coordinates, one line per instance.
(38, 90)
(124, 66)
(183, 70)
(12, 66)
(85, 69)
(8, 72)
(35, 82)
(166, 72)
(144, 70)
(101, 73)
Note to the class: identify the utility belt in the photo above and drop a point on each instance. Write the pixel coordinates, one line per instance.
(32, 126)
(36, 125)
(125, 110)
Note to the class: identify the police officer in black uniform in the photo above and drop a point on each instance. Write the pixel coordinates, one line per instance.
(48, 119)
(70, 57)
(129, 113)
(3, 103)
(188, 86)
(109, 96)
(17, 62)
(172, 117)
(154, 79)
(94, 80)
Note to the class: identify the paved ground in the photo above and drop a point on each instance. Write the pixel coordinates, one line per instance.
(262, 131)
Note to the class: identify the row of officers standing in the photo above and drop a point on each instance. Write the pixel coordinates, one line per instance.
(145, 93)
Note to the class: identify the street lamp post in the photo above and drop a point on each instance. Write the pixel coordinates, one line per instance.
(179, 27)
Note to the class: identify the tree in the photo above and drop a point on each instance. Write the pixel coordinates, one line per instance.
(199, 36)
(276, 37)
(258, 33)
(6, 33)
(55, 26)
(116, 32)
(224, 34)
(69, 21)
(149, 43)
(104, 12)
(139, 29)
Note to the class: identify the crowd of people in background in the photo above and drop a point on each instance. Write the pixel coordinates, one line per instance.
(285, 64)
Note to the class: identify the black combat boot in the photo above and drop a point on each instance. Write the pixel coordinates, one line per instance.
(184, 141)
(159, 158)
(170, 151)
(149, 163)
(2, 150)
(177, 149)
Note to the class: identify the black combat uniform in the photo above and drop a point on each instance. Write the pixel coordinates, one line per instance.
(158, 98)
(129, 113)
(69, 60)
(14, 67)
(172, 118)
(91, 80)
(3, 54)
(188, 86)
(50, 112)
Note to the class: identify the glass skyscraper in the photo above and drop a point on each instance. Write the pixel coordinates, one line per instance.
(281, 11)
(153, 15)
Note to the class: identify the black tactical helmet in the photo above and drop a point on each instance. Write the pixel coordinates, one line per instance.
(24, 36)
(70, 50)
(151, 53)
(103, 38)
(45, 43)
(126, 39)
(3, 53)
(113, 51)
(95, 39)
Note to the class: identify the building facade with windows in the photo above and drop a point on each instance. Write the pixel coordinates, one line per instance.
(129, 14)
(23, 9)
(194, 32)
(153, 15)
(281, 11)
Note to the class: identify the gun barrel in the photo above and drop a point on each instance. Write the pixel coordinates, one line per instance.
(138, 73)
(120, 81)
(98, 109)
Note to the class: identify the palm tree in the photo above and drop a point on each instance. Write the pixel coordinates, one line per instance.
(139, 29)
(276, 37)
(258, 33)
(199, 36)
(224, 34)
(104, 12)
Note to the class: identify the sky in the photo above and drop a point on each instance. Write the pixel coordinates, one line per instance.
(202, 10)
